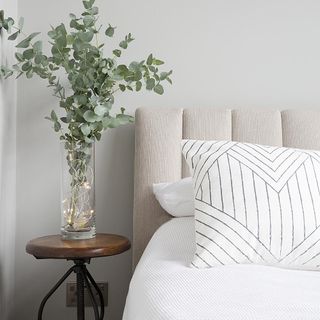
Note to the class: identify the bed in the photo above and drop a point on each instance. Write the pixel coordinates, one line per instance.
(163, 285)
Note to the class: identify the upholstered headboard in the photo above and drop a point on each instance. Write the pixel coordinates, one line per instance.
(158, 156)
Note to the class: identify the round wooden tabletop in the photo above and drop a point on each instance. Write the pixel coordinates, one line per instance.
(53, 247)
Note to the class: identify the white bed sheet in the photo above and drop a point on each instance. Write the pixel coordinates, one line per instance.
(165, 287)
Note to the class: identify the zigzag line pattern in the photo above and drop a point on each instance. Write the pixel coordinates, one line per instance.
(255, 204)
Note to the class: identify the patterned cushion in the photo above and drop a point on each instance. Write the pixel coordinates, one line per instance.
(255, 204)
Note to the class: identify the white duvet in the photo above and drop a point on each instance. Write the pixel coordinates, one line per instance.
(165, 287)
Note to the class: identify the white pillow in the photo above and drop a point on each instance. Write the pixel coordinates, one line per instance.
(255, 204)
(176, 198)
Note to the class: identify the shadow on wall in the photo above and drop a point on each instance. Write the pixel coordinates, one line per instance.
(114, 180)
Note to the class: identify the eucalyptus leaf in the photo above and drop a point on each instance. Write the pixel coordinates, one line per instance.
(26, 66)
(124, 119)
(94, 11)
(138, 85)
(97, 135)
(90, 116)
(57, 126)
(110, 31)
(158, 89)
(29, 73)
(150, 84)
(19, 56)
(117, 52)
(157, 62)
(123, 44)
(110, 122)
(149, 60)
(163, 75)
(86, 36)
(81, 99)
(85, 129)
(54, 116)
(88, 3)
(37, 47)
(88, 21)
(28, 54)
(38, 59)
(14, 36)
(26, 42)
(100, 110)
(21, 23)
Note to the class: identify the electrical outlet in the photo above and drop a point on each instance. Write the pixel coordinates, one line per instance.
(72, 294)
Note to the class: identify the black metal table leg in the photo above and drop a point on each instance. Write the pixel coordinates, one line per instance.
(83, 278)
(52, 291)
(99, 293)
(92, 297)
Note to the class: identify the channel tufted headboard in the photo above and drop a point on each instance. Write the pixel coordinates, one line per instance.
(158, 156)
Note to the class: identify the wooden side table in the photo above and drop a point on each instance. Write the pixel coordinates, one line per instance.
(80, 252)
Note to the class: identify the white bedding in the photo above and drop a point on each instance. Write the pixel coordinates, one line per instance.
(164, 287)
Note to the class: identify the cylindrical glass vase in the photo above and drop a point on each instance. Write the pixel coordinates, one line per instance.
(77, 192)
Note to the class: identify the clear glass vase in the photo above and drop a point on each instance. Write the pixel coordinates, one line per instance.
(77, 192)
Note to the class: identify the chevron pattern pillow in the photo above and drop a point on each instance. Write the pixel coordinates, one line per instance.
(255, 204)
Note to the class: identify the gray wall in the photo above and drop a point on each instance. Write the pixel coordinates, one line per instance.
(224, 53)
(7, 173)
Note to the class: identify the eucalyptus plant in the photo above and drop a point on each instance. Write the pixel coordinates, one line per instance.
(83, 78)
(92, 77)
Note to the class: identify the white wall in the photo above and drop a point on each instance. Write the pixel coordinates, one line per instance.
(225, 53)
(7, 173)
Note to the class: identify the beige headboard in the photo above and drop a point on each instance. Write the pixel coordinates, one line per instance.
(158, 157)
